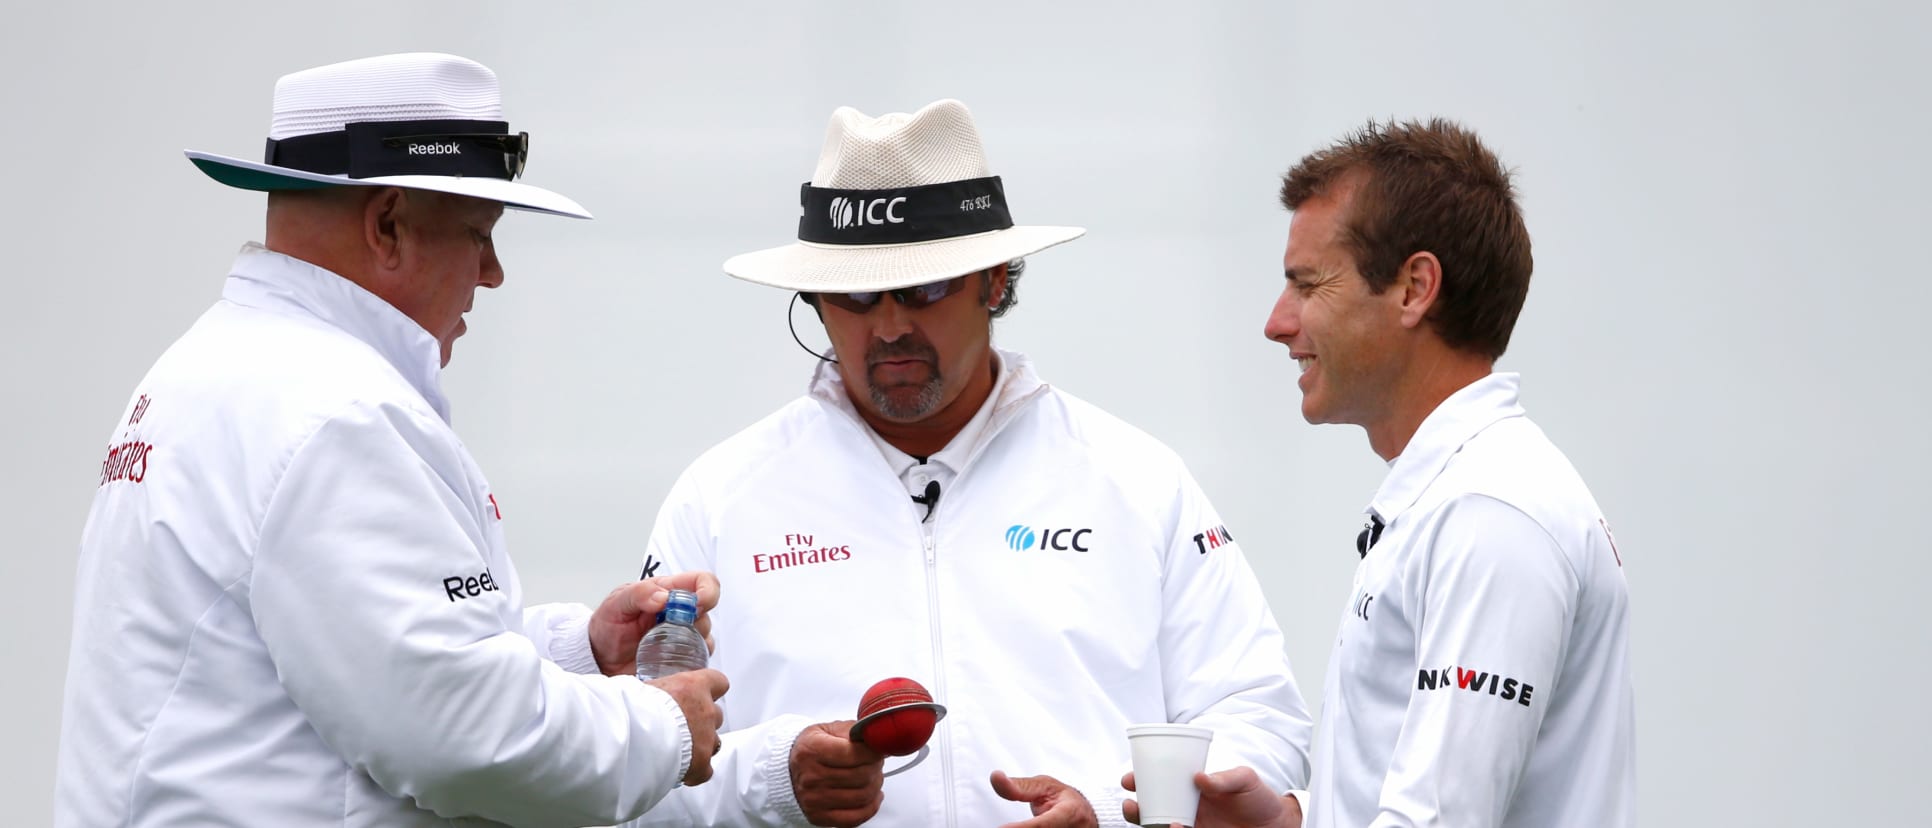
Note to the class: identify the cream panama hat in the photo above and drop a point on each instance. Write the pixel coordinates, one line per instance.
(423, 121)
(898, 200)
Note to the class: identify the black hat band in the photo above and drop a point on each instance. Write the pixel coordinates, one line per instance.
(367, 149)
(902, 215)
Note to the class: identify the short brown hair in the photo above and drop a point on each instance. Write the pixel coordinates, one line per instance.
(1430, 187)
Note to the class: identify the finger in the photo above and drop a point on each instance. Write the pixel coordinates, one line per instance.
(852, 815)
(637, 600)
(1018, 790)
(1060, 815)
(844, 753)
(831, 744)
(841, 731)
(1231, 781)
(821, 802)
(1130, 810)
(843, 779)
(708, 681)
(704, 584)
(715, 683)
(1128, 781)
(704, 629)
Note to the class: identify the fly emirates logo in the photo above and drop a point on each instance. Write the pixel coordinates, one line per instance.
(800, 550)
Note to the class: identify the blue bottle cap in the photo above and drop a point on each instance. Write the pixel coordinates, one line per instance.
(680, 608)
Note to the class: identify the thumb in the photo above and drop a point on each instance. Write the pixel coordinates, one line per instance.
(639, 599)
(1016, 790)
(1226, 782)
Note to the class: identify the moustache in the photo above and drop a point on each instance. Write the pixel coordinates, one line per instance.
(901, 349)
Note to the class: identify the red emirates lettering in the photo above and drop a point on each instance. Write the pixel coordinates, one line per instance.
(127, 461)
(762, 563)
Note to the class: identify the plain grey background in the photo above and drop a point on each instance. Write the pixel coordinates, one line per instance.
(1727, 201)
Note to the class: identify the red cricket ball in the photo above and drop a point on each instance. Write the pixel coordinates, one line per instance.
(897, 717)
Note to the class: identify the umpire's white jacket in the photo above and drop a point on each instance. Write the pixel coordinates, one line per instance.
(1071, 580)
(295, 606)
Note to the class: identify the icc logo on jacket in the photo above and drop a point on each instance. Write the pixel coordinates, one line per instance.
(1021, 537)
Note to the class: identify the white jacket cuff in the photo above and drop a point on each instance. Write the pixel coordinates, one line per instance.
(570, 649)
(1301, 799)
(664, 700)
(1106, 806)
(780, 799)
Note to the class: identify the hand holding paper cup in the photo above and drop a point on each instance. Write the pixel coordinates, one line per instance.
(1166, 757)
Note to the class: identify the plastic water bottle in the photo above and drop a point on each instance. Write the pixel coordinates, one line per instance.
(674, 645)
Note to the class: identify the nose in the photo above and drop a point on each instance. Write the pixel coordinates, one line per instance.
(1285, 321)
(491, 275)
(890, 320)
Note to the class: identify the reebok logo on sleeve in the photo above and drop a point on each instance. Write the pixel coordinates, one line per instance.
(458, 587)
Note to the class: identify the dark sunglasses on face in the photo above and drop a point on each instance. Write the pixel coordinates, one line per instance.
(515, 148)
(912, 298)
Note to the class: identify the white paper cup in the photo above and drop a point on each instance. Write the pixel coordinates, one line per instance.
(1166, 757)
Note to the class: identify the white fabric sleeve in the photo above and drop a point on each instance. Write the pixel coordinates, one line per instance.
(1223, 660)
(751, 782)
(562, 633)
(1494, 598)
(437, 694)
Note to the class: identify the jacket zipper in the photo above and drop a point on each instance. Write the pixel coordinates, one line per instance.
(939, 670)
(1001, 416)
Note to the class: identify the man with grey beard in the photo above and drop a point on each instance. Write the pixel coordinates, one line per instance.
(931, 509)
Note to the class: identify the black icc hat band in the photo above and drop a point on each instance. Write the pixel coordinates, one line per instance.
(903, 215)
(367, 149)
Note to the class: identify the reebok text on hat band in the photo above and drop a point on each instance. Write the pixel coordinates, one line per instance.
(368, 149)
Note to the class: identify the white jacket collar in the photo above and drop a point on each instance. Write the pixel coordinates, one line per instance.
(1016, 385)
(1443, 433)
(277, 283)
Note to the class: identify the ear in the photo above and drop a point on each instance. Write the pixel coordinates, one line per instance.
(1419, 281)
(995, 286)
(382, 227)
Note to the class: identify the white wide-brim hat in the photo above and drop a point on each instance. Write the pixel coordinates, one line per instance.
(423, 121)
(898, 200)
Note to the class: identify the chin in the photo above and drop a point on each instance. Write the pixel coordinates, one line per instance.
(1311, 411)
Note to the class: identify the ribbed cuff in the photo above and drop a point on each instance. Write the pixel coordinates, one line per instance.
(670, 704)
(780, 799)
(1106, 806)
(570, 646)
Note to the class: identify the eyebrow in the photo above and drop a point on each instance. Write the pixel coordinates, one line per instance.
(1307, 273)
